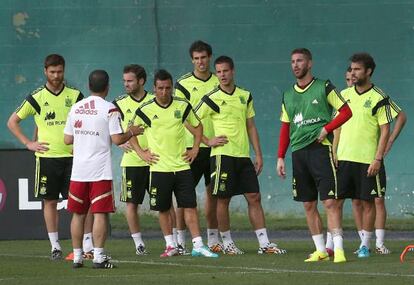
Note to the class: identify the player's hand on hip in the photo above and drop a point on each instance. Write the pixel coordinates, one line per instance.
(217, 141)
(126, 147)
(374, 168)
(39, 147)
(322, 135)
(190, 155)
(149, 157)
(280, 168)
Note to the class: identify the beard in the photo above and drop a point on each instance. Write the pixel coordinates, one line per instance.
(302, 73)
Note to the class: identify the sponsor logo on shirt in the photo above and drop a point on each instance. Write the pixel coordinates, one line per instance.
(299, 121)
(87, 109)
(50, 116)
(78, 124)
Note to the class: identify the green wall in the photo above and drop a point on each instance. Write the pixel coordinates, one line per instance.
(259, 35)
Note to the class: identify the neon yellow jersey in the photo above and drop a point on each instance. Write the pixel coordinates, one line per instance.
(308, 110)
(193, 89)
(360, 134)
(127, 106)
(50, 111)
(165, 131)
(229, 114)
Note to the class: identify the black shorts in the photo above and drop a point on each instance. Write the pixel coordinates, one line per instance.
(134, 184)
(233, 176)
(314, 172)
(201, 166)
(163, 184)
(354, 183)
(52, 177)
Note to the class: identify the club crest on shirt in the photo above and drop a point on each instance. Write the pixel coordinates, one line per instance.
(368, 103)
(68, 102)
(177, 114)
(242, 100)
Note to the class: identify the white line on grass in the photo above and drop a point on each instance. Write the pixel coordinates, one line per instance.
(242, 269)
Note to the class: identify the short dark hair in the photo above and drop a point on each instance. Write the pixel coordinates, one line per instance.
(98, 81)
(162, 75)
(200, 46)
(54, 60)
(138, 70)
(303, 51)
(224, 59)
(366, 59)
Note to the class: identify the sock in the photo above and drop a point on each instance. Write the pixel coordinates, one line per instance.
(54, 240)
(169, 241)
(226, 237)
(212, 237)
(261, 235)
(87, 243)
(77, 255)
(361, 235)
(137, 239)
(174, 233)
(366, 239)
(319, 242)
(98, 254)
(329, 241)
(197, 242)
(380, 235)
(181, 237)
(338, 240)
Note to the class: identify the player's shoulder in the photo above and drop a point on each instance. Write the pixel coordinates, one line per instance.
(379, 91)
(180, 100)
(120, 98)
(149, 103)
(242, 90)
(38, 90)
(72, 88)
(213, 92)
(185, 77)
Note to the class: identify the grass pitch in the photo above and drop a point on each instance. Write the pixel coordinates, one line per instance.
(27, 262)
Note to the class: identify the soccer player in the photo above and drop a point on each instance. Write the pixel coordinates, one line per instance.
(49, 105)
(307, 110)
(135, 171)
(169, 160)
(362, 147)
(230, 109)
(92, 124)
(193, 86)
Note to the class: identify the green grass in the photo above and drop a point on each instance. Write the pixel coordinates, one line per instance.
(26, 262)
(240, 222)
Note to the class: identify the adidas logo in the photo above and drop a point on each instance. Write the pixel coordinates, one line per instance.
(128, 111)
(46, 104)
(87, 109)
(315, 101)
(331, 193)
(373, 192)
(195, 89)
(223, 103)
(155, 117)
